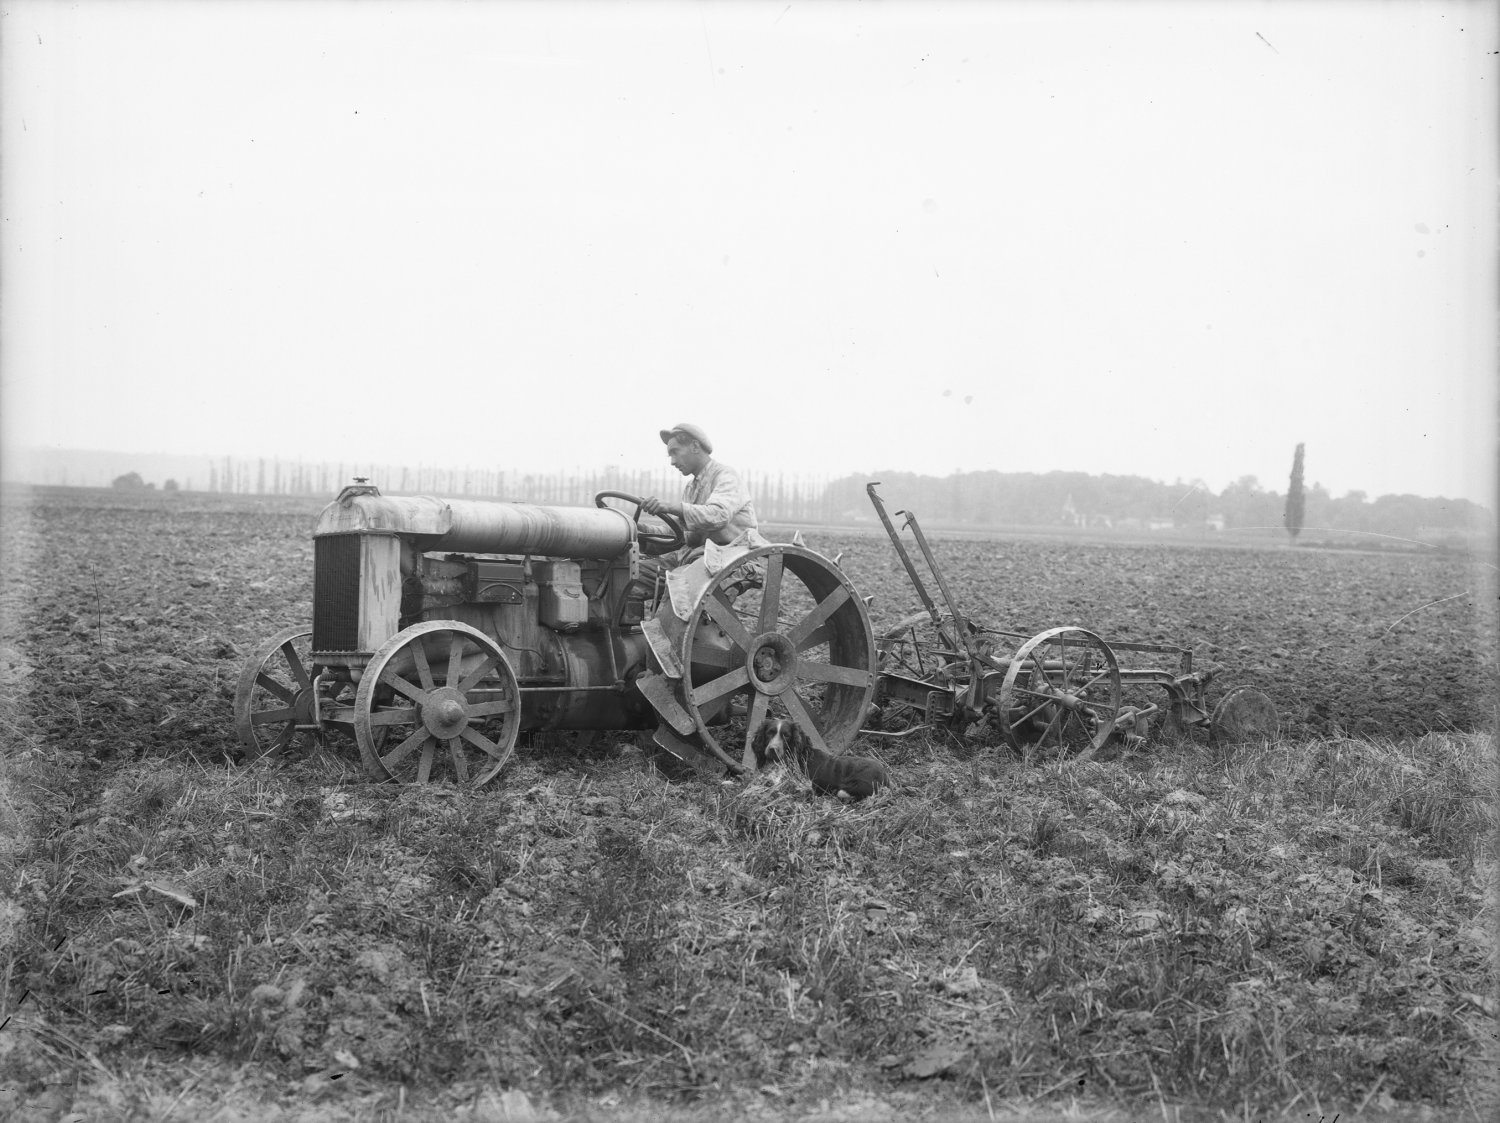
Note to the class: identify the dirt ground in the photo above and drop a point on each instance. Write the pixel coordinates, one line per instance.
(1232, 935)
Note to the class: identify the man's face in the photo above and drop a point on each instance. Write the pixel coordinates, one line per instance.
(686, 455)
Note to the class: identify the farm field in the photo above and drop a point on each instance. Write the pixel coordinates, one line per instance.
(1245, 932)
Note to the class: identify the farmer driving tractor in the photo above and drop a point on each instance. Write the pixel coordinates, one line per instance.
(715, 506)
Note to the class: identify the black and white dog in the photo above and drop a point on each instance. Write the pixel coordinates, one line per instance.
(851, 778)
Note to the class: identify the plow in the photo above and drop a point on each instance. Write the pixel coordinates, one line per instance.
(445, 631)
(1065, 691)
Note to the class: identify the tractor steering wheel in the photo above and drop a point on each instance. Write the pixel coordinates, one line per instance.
(652, 542)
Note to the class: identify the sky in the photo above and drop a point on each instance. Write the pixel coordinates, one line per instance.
(1161, 239)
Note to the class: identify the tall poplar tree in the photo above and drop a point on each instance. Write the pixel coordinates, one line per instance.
(1296, 501)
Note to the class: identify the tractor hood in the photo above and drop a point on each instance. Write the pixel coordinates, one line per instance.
(480, 526)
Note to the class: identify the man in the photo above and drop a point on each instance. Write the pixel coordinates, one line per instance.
(715, 505)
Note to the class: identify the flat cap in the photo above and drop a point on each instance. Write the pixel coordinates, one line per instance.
(695, 432)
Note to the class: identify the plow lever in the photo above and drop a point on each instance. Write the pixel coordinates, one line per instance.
(911, 570)
(960, 625)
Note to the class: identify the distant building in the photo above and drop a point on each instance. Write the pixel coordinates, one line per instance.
(1159, 524)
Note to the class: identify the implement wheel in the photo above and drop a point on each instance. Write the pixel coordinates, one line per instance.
(781, 630)
(1061, 692)
(423, 699)
(273, 703)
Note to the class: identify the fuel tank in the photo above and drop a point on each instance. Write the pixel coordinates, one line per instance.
(480, 526)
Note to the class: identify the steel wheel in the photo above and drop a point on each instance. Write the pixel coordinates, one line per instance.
(422, 701)
(275, 696)
(780, 632)
(1061, 692)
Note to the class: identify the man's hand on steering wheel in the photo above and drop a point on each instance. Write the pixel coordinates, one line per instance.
(661, 507)
(651, 542)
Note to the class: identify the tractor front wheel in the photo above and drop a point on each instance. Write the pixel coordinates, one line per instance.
(438, 701)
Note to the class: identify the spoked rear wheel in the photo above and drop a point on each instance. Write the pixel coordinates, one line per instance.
(1061, 694)
(779, 632)
(438, 701)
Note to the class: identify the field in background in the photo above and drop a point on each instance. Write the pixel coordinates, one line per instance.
(1286, 928)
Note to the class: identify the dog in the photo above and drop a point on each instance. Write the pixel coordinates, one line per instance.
(850, 778)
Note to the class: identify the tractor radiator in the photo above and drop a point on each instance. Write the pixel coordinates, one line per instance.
(336, 593)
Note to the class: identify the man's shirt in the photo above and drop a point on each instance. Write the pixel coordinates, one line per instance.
(716, 505)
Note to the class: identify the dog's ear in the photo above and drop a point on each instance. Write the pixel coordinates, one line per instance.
(759, 742)
(800, 742)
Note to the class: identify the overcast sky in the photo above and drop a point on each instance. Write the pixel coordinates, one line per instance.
(1170, 240)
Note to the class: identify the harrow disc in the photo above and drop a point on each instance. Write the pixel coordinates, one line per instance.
(1243, 715)
(1061, 692)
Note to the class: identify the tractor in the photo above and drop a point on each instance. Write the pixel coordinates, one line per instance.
(444, 629)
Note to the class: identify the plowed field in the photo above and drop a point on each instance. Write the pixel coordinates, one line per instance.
(1243, 930)
(138, 613)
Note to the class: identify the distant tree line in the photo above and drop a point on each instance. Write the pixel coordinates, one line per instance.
(789, 497)
(1246, 504)
(1062, 499)
(967, 499)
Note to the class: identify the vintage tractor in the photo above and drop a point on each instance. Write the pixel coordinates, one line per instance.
(1065, 691)
(442, 630)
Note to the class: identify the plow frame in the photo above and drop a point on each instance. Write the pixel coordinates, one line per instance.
(1062, 679)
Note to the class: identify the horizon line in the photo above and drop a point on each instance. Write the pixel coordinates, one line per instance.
(10, 456)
